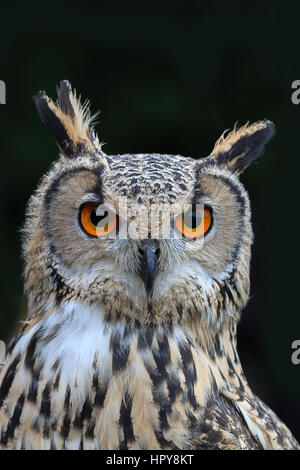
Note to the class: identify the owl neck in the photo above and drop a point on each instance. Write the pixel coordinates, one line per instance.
(118, 385)
(78, 340)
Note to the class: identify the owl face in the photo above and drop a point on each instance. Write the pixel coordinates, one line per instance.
(138, 233)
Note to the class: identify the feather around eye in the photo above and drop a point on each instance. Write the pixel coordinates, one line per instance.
(94, 224)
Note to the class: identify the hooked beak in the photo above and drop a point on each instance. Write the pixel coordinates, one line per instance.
(150, 252)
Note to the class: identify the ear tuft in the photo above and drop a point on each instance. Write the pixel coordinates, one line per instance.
(64, 93)
(238, 149)
(68, 120)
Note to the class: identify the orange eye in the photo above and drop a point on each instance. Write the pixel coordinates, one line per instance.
(97, 220)
(195, 222)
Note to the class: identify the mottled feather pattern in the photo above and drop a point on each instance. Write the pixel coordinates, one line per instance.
(147, 388)
(151, 388)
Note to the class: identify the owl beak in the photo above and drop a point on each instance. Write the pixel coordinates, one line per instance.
(150, 252)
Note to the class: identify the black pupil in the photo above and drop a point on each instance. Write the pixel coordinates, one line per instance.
(192, 219)
(97, 219)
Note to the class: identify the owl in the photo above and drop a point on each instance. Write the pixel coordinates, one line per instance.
(136, 274)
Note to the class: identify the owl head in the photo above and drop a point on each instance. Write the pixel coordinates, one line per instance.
(148, 238)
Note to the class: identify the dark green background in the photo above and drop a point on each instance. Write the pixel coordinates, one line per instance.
(169, 77)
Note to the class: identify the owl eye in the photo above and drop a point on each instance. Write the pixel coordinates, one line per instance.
(96, 220)
(195, 222)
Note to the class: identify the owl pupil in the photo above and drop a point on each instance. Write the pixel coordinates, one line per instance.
(96, 219)
(192, 219)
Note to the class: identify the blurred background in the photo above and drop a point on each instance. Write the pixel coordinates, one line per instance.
(169, 77)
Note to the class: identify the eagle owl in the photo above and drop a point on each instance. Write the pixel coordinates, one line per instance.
(136, 273)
